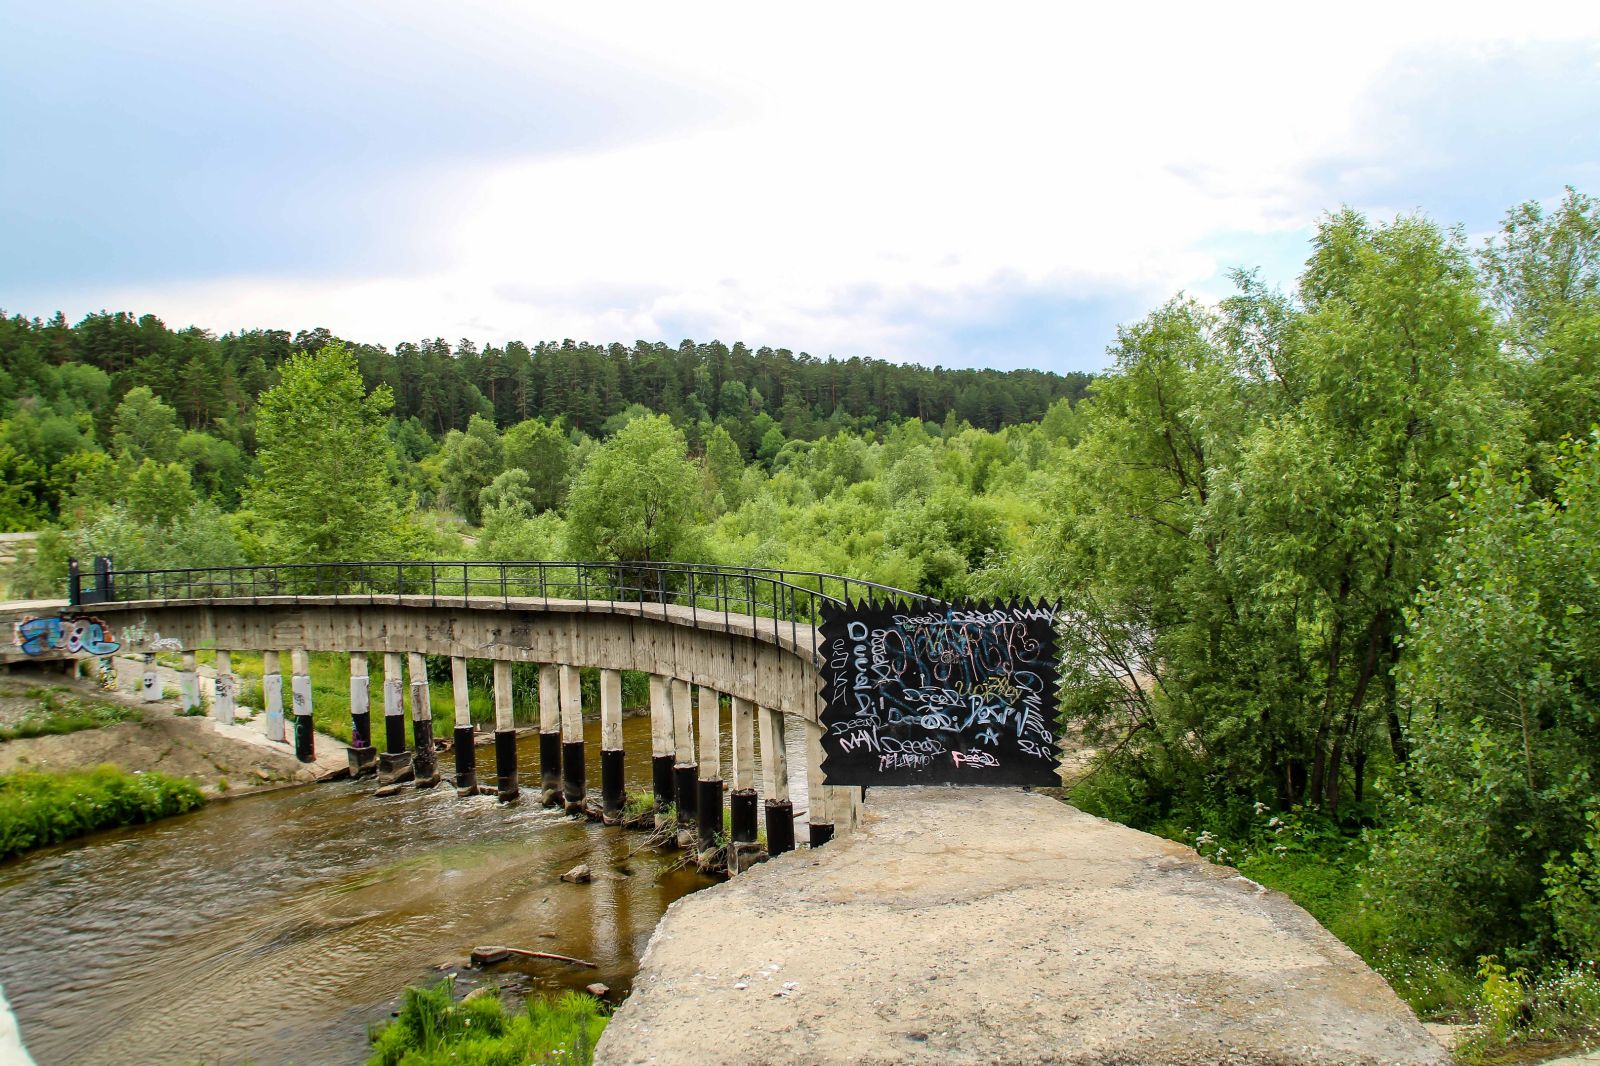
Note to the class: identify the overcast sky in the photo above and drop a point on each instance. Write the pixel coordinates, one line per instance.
(973, 185)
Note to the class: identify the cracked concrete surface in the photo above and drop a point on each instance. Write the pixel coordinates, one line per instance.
(990, 926)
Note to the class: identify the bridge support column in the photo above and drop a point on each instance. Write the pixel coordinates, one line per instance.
(505, 733)
(189, 682)
(394, 763)
(742, 801)
(709, 802)
(611, 766)
(549, 736)
(574, 778)
(424, 759)
(465, 750)
(272, 694)
(775, 779)
(818, 814)
(662, 754)
(300, 689)
(362, 755)
(149, 680)
(225, 689)
(684, 770)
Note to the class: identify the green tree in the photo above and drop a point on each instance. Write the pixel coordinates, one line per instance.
(158, 494)
(1494, 845)
(471, 462)
(724, 468)
(542, 451)
(145, 428)
(323, 491)
(637, 499)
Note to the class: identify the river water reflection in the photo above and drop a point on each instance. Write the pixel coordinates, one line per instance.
(276, 928)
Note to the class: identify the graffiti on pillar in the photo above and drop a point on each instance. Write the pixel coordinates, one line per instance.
(75, 634)
(960, 694)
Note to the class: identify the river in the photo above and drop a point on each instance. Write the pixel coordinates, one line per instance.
(276, 928)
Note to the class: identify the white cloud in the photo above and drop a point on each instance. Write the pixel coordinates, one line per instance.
(884, 157)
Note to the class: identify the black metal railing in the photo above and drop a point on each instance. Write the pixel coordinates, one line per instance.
(782, 599)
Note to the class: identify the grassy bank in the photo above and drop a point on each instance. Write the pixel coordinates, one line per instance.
(433, 1029)
(39, 808)
(61, 710)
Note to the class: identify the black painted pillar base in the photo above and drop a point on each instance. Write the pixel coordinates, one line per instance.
(709, 813)
(466, 761)
(394, 767)
(684, 788)
(742, 816)
(611, 798)
(505, 763)
(574, 777)
(661, 780)
(394, 733)
(363, 761)
(424, 760)
(821, 833)
(305, 744)
(361, 730)
(780, 827)
(550, 769)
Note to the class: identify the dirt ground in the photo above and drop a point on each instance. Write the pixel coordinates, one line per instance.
(161, 741)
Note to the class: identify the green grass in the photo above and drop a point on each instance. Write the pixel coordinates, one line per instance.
(61, 711)
(433, 1029)
(38, 808)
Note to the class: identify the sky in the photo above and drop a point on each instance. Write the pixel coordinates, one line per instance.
(963, 185)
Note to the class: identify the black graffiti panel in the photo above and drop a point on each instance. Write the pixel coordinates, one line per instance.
(958, 694)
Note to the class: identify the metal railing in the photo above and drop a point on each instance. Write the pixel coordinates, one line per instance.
(785, 599)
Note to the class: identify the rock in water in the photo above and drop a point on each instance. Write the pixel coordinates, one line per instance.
(598, 990)
(578, 875)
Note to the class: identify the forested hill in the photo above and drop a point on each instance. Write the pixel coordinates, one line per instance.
(210, 379)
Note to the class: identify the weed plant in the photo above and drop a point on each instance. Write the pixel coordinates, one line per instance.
(432, 1029)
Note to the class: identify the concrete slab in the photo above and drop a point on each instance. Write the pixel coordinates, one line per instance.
(1002, 927)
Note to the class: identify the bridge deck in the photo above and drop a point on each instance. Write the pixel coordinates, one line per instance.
(797, 637)
(978, 926)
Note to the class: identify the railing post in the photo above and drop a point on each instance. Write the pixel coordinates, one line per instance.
(74, 584)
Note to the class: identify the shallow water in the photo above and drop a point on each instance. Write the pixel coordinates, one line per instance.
(276, 928)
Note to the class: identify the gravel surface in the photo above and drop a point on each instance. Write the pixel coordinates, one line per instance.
(996, 926)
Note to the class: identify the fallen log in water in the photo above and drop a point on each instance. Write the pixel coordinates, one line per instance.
(488, 954)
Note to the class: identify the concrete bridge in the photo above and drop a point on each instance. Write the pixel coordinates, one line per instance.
(701, 633)
(947, 926)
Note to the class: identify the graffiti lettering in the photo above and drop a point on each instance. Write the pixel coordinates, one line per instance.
(74, 634)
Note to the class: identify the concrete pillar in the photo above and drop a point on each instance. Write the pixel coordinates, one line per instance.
(817, 792)
(150, 681)
(424, 760)
(505, 733)
(189, 682)
(662, 753)
(300, 688)
(775, 781)
(574, 784)
(363, 757)
(272, 694)
(742, 802)
(394, 762)
(683, 770)
(465, 748)
(549, 736)
(709, 802)
(225, 689)
(611, 769)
